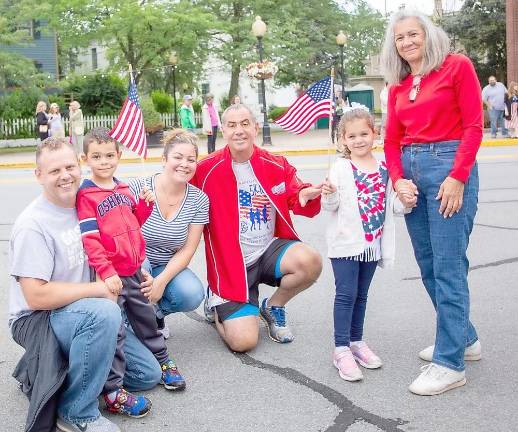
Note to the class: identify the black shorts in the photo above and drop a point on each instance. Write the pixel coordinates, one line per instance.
(265, 270)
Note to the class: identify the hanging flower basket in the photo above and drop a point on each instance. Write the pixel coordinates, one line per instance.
(262, 71)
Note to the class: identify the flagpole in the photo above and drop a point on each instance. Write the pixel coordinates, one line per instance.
(331, 111)
(142, 160)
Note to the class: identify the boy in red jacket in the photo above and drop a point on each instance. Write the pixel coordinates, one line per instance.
(110, 221)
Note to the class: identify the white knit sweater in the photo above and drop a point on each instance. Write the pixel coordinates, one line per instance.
(345, 234)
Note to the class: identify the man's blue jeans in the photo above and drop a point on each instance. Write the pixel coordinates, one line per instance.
(183, 293)
(87, 333)
(496, 117)
(440, 246)
(352, 281)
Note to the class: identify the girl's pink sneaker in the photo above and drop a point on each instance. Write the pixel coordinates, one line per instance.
(364, 355)
(346, 365)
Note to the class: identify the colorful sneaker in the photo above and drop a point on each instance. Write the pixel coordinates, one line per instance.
(346, 365)
(472, 353)
(275, 319)
(171, 378)
(364, 355)
(435, 379)
(163, 327)
(102, 424)
(128, 403)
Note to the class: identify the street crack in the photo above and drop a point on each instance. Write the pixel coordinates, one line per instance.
(349, 413)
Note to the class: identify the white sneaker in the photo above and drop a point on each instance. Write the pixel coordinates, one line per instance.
(102, 424)
(436, 379)
(472, 353)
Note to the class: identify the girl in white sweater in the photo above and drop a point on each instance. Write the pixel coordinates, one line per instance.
(360, 235)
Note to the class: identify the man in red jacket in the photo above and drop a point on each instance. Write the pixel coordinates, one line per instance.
(250, 238)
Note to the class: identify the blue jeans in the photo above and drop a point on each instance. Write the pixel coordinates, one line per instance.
(352, 281)
(87, 334)
(183, 293)
(440, 246)
(496, 117)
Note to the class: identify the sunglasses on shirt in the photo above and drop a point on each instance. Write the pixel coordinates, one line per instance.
(416, 86)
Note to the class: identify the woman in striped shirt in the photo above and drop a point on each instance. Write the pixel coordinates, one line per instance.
(174, 229)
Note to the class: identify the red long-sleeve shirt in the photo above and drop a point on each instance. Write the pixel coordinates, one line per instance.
(110, 222)
(447, 107)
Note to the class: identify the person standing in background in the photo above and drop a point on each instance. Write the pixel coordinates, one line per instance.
(42, 120)
(187, 114)
(77, 126)
(211, 122)
(493, 96)
(56, 128)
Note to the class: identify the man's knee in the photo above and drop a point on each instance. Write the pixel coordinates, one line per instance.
(308, 261)
(242, 343)
(241, 334)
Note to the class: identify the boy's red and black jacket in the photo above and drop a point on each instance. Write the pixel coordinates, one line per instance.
(110, 221)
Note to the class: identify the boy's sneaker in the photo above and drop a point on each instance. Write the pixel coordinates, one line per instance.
(346, 365)
(472, 353)
(128, 403)
(364, 355)
(163, 327)
(102, 424)
(171, 378)
(275, 319)
(436, 379)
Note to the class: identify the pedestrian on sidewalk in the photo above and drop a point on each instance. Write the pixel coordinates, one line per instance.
(360, 235)
(76, 126)
(187, 114)
(56, 127)
(434, 130)
(42, 120)
(511, 110)
(211, 122)
(493, 96)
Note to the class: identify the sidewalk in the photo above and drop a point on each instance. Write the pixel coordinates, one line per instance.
(312, 142)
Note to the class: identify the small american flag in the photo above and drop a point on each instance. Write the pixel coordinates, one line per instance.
(129, 127)
(314, 103)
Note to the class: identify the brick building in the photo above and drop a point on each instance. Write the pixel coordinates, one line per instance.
(512, 39)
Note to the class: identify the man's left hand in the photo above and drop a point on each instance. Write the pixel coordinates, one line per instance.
(309, 193)
(450, 193)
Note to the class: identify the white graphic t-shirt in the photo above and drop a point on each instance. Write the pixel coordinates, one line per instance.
(256, 214)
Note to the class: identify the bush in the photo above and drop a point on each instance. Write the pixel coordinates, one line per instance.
(224, 102)
(276, 112)
(98, 94)
(152, 121)
(21, 103)
(196, 105)
(162, 102)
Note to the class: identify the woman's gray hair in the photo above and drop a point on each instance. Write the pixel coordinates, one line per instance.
(436, 48)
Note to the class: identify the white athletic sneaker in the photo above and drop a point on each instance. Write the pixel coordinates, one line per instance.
(102, 424)
(436, 379)
(472, 353)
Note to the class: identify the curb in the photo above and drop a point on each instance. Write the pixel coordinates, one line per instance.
(287, 152)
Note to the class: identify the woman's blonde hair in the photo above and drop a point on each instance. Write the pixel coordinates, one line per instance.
(178, 136)
(75, 104)
(436, 47)
(510, 89)
(41, 106)
(347, 117)
(54, 105)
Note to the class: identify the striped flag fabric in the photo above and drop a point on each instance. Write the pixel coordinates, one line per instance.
(313, 104)
(129, 127)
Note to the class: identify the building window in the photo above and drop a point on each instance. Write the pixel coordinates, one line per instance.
(38, 66)
(205, 88)
(94, 58)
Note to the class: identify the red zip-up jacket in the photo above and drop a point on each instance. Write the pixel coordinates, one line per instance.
(110, 222)
(226, 270)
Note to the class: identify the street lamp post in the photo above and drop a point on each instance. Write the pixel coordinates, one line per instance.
(259, 30)
(341, 40)
(173, 60)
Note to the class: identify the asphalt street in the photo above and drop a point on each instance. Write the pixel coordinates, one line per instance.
(295, 387)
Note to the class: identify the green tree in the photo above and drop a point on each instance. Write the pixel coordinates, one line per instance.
(478, 29)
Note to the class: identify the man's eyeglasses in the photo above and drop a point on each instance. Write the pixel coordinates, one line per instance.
(416, 86)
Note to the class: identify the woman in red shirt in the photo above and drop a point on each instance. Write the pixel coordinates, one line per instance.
(434, 130)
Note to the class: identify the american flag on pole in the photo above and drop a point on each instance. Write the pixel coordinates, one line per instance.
(314, 103)
(129, 127)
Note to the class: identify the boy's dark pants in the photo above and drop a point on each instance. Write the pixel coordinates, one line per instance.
(141, 316)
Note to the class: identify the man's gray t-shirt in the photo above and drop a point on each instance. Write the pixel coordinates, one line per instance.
(45, 244)
(495, 95)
